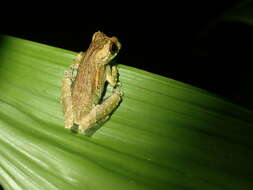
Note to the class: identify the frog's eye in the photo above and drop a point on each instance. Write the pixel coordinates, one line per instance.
(114, 48)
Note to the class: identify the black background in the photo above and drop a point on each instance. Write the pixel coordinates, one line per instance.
(173, 39)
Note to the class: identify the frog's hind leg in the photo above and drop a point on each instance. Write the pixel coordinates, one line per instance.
(100, 113)
(66, 91)
(66, 100)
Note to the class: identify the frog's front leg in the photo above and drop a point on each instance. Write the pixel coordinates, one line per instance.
(101, 112)
(112, 75)
(66, 100)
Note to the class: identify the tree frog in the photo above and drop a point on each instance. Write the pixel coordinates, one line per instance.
(85, 82)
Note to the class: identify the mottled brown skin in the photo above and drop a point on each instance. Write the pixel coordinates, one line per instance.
(82, 93)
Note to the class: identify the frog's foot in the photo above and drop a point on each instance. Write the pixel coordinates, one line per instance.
(101, 112)
(90, 124)
(86, 123)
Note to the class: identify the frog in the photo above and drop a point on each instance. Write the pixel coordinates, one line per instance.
(85, 82)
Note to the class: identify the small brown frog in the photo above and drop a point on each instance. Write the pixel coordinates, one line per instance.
(84, 84)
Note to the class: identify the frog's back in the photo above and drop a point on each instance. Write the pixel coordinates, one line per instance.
(87, 88)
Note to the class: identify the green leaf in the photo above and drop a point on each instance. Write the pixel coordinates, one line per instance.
(164, 135)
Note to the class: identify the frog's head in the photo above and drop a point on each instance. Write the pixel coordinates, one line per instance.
(104, 48)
